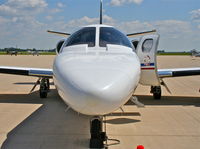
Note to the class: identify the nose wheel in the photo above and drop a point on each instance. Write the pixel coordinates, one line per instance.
(156, 90)
(98, 137)
(44, 87)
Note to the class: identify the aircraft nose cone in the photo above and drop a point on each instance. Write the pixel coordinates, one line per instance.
(97, 86)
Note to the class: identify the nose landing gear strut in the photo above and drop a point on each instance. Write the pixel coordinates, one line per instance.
(44, 87)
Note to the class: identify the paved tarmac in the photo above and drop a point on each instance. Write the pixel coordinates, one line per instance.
(28, 122)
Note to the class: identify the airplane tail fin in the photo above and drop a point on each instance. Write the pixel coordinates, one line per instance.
(101, 11)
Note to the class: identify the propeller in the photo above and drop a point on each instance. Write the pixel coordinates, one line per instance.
(36, 83)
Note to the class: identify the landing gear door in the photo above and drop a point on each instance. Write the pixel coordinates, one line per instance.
(146, 51)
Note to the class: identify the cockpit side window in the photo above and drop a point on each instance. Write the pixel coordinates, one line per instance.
(84, 36)
(147, 45)
(109, 35)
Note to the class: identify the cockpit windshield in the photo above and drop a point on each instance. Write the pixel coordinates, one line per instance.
(109, 35)
(83, 36)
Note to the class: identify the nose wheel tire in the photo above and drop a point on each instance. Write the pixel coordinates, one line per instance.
(97, 135)
(156, 90)
(43, 94)
(44, 87)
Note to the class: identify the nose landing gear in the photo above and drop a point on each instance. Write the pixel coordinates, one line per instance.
(99, 139)
(97, 135)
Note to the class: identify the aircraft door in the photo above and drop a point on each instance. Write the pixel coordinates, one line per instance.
(146, 51)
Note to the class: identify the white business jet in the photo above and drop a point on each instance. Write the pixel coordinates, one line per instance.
(97, 70)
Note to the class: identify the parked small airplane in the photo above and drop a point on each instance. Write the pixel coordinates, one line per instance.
(97, 70)
(195, 53)
(12, 53)
(34, 53)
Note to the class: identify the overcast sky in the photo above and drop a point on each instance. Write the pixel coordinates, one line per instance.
(23, 23)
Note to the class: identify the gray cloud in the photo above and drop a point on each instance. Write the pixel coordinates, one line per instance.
(26, 31)
(122, 2)
(60, 5)
(22, 7)
(27, 3)
(195, 15)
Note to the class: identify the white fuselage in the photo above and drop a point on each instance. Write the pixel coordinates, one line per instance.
(96, 80)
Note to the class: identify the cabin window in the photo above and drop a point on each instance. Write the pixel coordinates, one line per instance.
(147, 45)
(109, 35)
(83, 36)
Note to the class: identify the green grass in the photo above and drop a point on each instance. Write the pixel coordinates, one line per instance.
(2, 53)
(26, 53)
(176, 54)
(54, 53)
(48, 53)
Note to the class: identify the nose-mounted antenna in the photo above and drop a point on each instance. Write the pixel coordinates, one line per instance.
(101, 11)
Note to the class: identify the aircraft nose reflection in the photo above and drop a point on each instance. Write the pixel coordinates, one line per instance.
(96, 89)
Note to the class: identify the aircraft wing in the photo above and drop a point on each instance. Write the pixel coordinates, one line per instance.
(36, 72)
(42, 72)
(141, 33)
(178, 72)
(58, 33)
